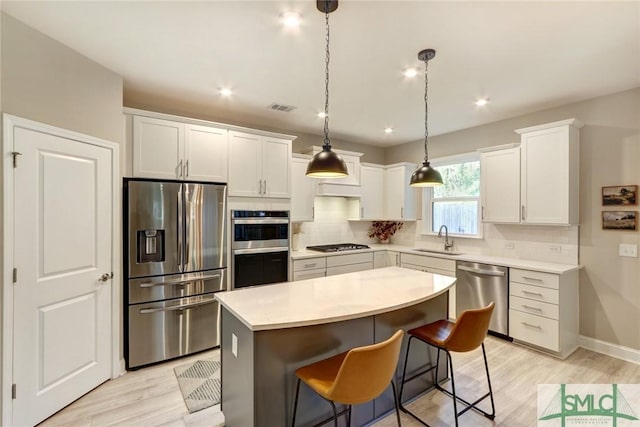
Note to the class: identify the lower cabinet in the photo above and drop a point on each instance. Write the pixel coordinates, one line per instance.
(435, 265)
(311, 268)
(543, 310)
(383, 259)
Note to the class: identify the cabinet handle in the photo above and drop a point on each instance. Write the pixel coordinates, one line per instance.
(401, 212)
(532, 293)
(313, 212)
(532, 326)
(362, 212)
(186, 169)
(265, 187)
(482, 215)
(260, 187)
(531, 308)
(523, 212)
(397, 260)
(179, 169)
(534, 279)
(310, 265)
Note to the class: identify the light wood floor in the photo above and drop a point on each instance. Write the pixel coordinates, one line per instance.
(151, 396)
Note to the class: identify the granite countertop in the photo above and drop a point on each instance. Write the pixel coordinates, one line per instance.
(332, 299)
(545, 267)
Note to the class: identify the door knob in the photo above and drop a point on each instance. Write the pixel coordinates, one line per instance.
(105, 277)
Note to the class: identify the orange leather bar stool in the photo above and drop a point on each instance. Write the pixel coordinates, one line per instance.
(466, 334)
(355, 376)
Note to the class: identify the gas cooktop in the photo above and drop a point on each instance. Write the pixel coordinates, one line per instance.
(337, 247)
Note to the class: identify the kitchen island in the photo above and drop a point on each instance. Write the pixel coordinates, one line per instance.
(267, 332)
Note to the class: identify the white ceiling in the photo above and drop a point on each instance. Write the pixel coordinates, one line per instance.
(524, 56)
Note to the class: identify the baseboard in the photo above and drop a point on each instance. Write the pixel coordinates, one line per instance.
(614, 350)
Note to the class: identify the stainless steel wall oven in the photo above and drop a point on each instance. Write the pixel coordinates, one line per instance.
(175, 260)
(260, 246)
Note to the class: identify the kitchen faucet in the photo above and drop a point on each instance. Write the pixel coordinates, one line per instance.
(447, 245)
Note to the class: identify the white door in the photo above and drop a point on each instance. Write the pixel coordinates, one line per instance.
(205, 153)
(62, 246)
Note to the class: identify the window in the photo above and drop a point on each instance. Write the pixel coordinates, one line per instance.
(456, 203)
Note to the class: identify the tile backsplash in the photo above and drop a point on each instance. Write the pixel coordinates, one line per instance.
(538, 243)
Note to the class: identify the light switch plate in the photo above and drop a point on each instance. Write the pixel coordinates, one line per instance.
(628, 250)
(234, 345)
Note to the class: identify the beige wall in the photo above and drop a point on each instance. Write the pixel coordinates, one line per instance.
(45, 81)
(180, 107)
(609, 155)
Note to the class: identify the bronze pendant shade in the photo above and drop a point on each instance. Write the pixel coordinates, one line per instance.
(327, 164)
(425, 175)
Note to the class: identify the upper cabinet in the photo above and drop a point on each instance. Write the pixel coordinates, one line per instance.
(400, 198)
(168, 149)
(500, 184)
(303, 189)
(372, 178)
(351, 158)
(550, 173)
(536, 182)
(259, 166)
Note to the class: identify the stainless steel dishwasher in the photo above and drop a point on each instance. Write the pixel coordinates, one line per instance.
(478, 285)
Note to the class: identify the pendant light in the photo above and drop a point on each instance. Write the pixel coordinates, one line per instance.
(425, 175)
(327, 164)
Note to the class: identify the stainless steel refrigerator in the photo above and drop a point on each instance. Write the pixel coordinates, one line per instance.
(175, 260)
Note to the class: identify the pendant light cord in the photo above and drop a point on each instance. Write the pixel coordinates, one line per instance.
(326, 82)
(426, 112)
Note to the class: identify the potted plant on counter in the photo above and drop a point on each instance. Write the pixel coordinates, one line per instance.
(383, 230)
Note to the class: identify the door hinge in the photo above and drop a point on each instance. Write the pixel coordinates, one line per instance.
(13, 391)
(15, 275)
(15, 155)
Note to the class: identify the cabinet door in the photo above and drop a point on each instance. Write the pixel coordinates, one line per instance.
(157, 148)
(205, 154)
(353, 168)
(500, 185)
(245, 165)
(372, 187)
(303, 190)
(545, 176)
(393, 259)
(276, 168)
(400, 198)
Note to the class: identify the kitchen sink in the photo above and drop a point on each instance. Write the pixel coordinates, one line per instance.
(436, 251)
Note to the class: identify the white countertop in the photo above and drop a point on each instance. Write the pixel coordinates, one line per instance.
(332, 299)
(545, 267)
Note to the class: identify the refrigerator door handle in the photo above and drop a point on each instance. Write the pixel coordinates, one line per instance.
(180, 229)
(178, 282)
(177, 307)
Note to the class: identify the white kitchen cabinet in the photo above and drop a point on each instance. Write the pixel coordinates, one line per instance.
(435, 265)
(500, 184)
(349, 263)
(372, 178)
(303, 189)
(399, 197)
(309, 268)
(383, 259)
(168, 149)
(259, 166)
(550, 162)
(543, 310)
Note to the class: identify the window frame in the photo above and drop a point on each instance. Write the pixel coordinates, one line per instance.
(428, 199)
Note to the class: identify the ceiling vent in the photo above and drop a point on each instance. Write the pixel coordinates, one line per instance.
(281, 107)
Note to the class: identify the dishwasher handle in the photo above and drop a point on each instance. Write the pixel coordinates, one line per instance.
(482, 271)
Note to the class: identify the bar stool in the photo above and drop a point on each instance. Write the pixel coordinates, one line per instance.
(355, 376)
(466, 334)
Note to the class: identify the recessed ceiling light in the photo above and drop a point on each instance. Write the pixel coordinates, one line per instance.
(482, 102)
(291, 19)
(225, 91)
(410, 72)
(388, 130)
(321, 114)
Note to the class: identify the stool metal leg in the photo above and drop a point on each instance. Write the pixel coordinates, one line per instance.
(335, 413)
(295, 404)
(453, 387)
(486, 367)
(395, 401)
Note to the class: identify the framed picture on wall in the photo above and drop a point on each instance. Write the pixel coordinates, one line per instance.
(620, 195)
(620, 220)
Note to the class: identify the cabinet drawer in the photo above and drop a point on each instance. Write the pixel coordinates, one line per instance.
(534, 307)
(426, 261)
(308, 274)
(338, 260)
(341, 269)
(534, 330)
(536, 278)
(537, 293)
(309, 264)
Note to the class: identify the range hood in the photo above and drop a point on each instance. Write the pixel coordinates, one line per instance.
(341, 187)
(338, 190)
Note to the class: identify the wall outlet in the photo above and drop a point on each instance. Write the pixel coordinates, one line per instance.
(234, 345)
(555, 249)
(628, 250)
(509, 245)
